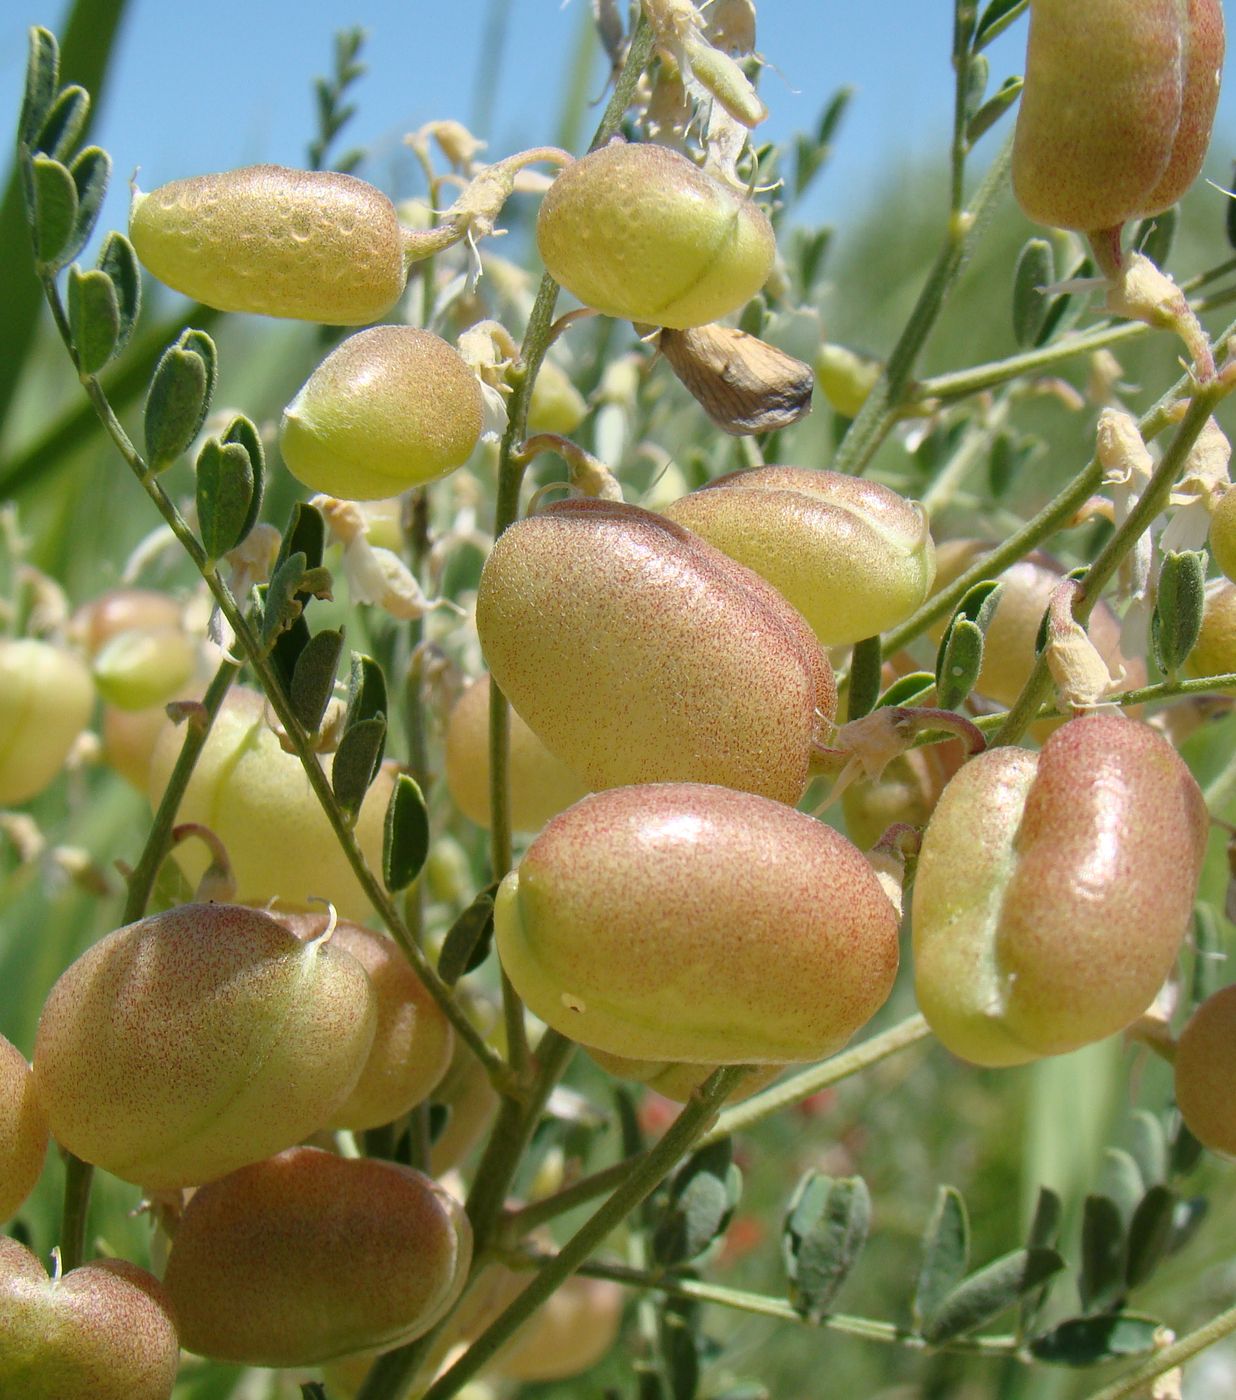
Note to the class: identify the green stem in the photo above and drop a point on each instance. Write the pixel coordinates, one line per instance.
(158, 842)
(1152, 502)
(1134, 1382)
(964, 13)
(264, 669)
(802, 1085)
(761, 1305)
(78, 1176)
(895, 386)
(646, 1176)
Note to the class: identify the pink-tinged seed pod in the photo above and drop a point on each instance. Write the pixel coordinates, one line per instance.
(413, 1040)
(674, 1080)
(104, 1330)
(23, 1130)
(641, 232)
(45, 702)
(183, 1046)
(1214, 653)
(1117, 108)
(1053, 890)
(684, 922)
(1204, 1067)
(257, 800)
(312, 245)
(308, 1256)
(391, 408)
(638, 653)
(541, 785)
(852, 556)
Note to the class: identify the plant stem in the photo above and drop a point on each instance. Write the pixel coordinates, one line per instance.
(810, 1081)
(895, 387)
(78, 1176)
(762, 1305)
(646, 1176)
(1152, 502)
(1133, 1382)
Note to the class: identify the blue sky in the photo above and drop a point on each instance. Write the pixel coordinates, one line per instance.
(202, 87)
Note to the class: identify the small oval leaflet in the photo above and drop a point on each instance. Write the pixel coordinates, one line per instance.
(406, 835)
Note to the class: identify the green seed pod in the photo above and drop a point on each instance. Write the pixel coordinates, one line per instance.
(274, 1265)
(104, 1330)
(137, 669)
(1223, 532)
(640, 232)
(257, 800)
(1205, 1054)
(639, 653)
(1117, 108)
(23, 1131)
(852, 556)
(678, 921)
(413, 1040)
(541, 785)
(1053, 890)
(1215, 651)
(45, 702)
(195, 1041)
(390, 408)
(312, 245)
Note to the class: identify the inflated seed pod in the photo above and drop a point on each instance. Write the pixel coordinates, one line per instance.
(675, 1080)
(312, 245)
(679, 921)
(1222, 540)
(183, 1046)
(118, 610)
(639, 653)
(907, 791)
(1054, 889)
(641, 232)
(852, 556)
(1116, 111)
(391, 408)
(258, 801)
(1203, 1066)
(104, 1330)
(1214, 653)
(308, 1256)
(45, 702)
(23, 1130)
(412, 1041)
(540, 784)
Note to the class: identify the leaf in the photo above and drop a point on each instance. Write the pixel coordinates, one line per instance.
(1177, 619)
(201, 344)
(810, 156)
(225, 488)
(946, 1254)
(65, 121)
(1150, 1233)
(680, 1348)
(1085, 1341)
(356, 763)
(42, 80)
(1121, 1179)
(91, 170)
(825, 1230)
(313, 678)
(995, 20)
(905, 690)
(118, 260)
(94, 318)
(366, 690)
(1149, 1149)
(978, 71)
(702, 1197)
(53, 210)
(243, 431)
(988, 1292)
(176, 403)
(993, 109)
(306, 534)
(1035, 270)
(282, 605)
(466, 944)
(865, 663)
(1101, 1281)
(961, 660)
(1044, 1233)
(405, 842)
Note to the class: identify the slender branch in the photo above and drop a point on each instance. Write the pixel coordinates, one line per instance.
(78, 1176)
(1134, 1382)
(648, 1174)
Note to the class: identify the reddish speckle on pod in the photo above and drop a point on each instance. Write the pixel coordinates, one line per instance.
(1205, 1064)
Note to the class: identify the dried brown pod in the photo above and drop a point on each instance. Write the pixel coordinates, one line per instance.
(741, 382)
